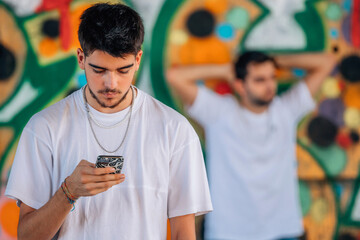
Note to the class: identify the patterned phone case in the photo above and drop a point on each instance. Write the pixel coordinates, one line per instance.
(110, 161)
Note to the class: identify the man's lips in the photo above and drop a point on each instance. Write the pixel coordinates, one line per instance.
(109, 94)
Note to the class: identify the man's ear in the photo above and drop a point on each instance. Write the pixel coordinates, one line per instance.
(138, 59)
(81, 58)
(238, 86)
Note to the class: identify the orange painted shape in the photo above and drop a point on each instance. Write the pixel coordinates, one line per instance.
(75, 22)
(204, 51)
(351, 95)
(216, 6)
(212, 82)
(48, 47)
(9, 217)
(168, 235)
(308, 168)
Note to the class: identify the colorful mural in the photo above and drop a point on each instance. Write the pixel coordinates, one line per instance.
(210, 31)
(38, 67)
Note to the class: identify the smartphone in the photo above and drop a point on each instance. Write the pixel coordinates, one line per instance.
(116, 162)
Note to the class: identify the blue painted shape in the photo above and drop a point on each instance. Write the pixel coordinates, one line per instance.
(225, 31)
(339, 189)
(297, 72)
(81, 78)
(334, 33)
(346, 5)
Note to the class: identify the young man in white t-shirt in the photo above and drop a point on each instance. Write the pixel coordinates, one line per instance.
(62, 195)
(250, 143)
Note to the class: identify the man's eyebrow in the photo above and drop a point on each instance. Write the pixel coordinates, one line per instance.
(127, 66)
(95, 66)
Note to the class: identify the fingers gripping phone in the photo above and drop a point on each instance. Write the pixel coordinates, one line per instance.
(116, 162)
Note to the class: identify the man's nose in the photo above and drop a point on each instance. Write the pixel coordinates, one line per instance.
(111, 80)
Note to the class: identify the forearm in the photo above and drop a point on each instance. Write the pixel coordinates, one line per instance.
(46, 221)
(190, 74)
(183, 227)
(318, 67)
(184, 235)
(308, 61)
(86, 180)
(183, 79)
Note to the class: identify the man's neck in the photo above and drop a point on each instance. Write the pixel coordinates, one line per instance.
(254, 108)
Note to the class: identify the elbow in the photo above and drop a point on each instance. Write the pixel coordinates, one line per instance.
(22, 234)
(25, 234)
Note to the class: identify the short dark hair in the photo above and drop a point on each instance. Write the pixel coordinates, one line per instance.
(248, 58)
(113, 28)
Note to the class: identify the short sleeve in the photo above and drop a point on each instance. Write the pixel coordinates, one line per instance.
(30, 176)
(188, 185)
(298, 101)
(207, 107)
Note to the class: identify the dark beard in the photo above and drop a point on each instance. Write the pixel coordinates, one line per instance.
(108, 90)
(259, 102)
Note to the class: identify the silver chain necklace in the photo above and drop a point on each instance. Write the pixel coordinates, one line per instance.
(108, 127)
(90, 119)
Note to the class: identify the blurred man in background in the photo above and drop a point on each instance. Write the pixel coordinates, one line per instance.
(250, 141)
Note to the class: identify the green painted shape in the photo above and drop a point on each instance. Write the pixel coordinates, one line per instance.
(265, 11)
(310, 22)
(128, 3)
(333, 159)
(238, 17)
(333, 12)
(283, 87)
(158, 45)
(305, 197)
(347, 219)
(313, 27)
(51, 80)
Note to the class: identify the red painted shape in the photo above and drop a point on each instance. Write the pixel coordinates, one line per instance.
(223, 88)
(344, 140)
(342, 85)
(355, 24)
(64, 8)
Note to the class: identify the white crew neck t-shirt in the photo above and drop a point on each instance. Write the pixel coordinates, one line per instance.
(163, 165)
(251, 164)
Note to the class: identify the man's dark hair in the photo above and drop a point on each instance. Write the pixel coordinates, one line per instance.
(113, 28)
(247, 58)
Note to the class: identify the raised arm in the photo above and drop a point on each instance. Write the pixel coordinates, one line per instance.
(183, 79)
(318, 67)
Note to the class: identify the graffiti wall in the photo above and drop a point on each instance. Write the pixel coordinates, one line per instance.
(38, 67)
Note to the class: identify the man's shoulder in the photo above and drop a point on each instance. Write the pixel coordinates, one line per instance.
(54, 113)
(294, 92)
(161, 110)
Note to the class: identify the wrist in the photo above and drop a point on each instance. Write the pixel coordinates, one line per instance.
(67, 184)
(71, 199)
(228, 72)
